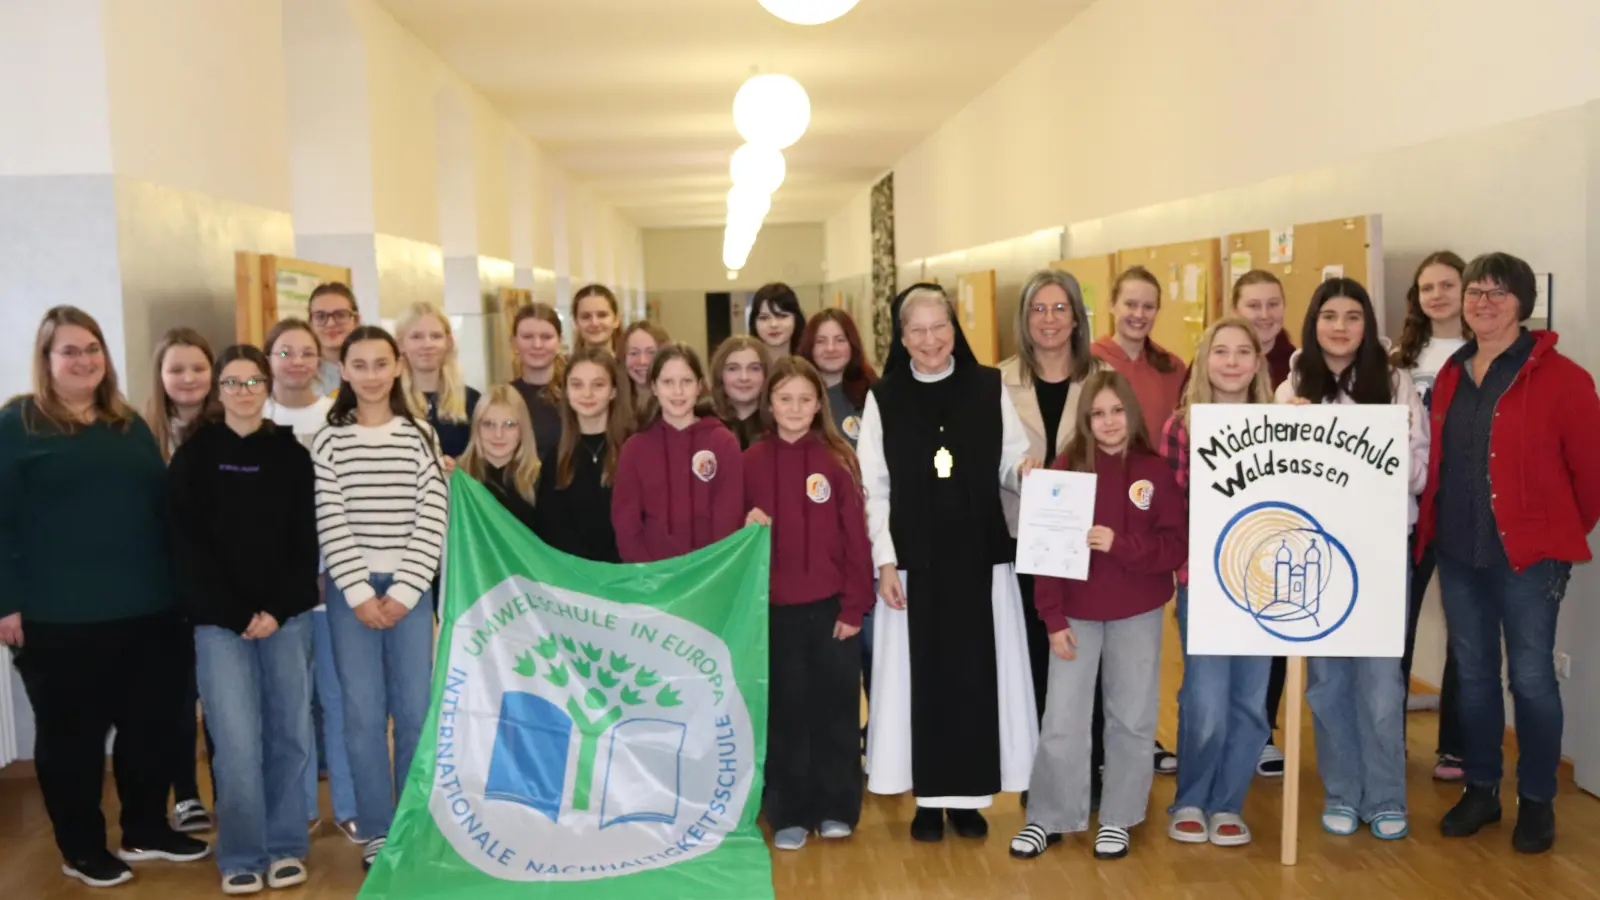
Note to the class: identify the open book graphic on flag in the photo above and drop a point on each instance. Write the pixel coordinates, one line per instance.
(642, 776)
(529, 765)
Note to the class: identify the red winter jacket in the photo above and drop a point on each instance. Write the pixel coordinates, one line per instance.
(1544, 458)
(819, 524)
(677, 491)
(1151, 541)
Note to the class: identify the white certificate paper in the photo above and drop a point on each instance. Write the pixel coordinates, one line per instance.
(1053, 524)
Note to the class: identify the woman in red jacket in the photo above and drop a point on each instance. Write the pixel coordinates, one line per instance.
(680, 479)
(1113, 619)
(802, 480)
(1509, 404)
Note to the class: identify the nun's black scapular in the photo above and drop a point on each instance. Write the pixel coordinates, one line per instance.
(948, 440)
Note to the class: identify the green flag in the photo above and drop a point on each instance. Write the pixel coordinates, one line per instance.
(596, 731)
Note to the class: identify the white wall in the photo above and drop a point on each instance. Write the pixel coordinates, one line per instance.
(53, 89)
(1144, 101)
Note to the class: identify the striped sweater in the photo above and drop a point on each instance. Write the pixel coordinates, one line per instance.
(381, 507)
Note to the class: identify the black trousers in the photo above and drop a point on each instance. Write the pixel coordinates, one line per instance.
(1449, 719)
(84, 680)
(813, 719)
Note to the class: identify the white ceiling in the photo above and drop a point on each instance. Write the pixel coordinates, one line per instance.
(636, 96)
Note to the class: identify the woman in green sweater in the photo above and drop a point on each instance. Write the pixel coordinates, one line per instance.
(98, 645)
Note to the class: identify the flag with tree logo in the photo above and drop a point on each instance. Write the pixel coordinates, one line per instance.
(596, 731)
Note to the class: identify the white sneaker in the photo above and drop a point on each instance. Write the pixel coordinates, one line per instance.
(792, 838)
(834, 830)
(286, 872)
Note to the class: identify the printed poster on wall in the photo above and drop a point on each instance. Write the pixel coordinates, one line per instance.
(1297, 530)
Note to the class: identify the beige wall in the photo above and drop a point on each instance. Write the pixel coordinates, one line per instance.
(691, 258)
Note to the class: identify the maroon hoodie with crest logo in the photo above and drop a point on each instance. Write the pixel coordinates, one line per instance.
(819, 524)
(677, 491)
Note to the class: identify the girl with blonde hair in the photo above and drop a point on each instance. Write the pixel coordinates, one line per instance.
(430, 375)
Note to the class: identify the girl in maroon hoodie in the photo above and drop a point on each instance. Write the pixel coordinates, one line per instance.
(1110, 622)
(680, 479)
(802, 480)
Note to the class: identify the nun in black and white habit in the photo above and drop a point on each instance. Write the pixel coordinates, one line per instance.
(953, 715)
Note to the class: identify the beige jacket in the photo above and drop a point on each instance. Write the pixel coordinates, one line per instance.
(1027, 404)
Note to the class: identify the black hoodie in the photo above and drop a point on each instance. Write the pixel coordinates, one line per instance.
(244, 526)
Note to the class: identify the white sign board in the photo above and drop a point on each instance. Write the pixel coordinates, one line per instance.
(1297, 530)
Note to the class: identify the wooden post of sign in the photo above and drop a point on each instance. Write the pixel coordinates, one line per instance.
(1294, 695)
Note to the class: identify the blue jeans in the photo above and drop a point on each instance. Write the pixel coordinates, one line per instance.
(330, 702)
(257, 700)
(1222, 724)
(1478, 605)
(382, 675)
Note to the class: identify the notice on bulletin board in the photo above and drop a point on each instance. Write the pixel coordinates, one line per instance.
(1239, 263)
(1283, 245)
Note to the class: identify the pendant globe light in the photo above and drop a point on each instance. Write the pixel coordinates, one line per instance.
(760, 169)
(808, 12)
(771, 111)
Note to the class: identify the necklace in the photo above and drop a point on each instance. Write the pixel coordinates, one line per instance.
(594, 444)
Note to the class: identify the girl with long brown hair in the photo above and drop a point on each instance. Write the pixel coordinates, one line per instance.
(639, 344)
(1435, 330)
(803, 481)
(574, 511)
(738, 376)
(832, 343)
(98, 646)
(599, 318)
(1111, 620)
(680, 481)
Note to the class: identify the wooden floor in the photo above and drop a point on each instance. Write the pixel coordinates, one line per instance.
(881, 861)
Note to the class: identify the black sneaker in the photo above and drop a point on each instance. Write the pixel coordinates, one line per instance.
(98, 870)
(928, 824)
(190, 816)
(1478, 806)
(370, 851)
(1536, 826)
(171, 846)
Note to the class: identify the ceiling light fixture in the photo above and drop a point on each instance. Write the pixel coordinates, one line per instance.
(760, 169)
(808, 12)
(771, 111)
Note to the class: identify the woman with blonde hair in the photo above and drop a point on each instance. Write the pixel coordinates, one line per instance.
(738, 376)
(98, 646)
(502, 455)
(1222, 717)
(430, 374)
(574, 511)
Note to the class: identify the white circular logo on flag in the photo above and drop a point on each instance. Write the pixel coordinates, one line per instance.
(582, 738)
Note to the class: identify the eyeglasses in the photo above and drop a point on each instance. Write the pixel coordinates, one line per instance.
(492, 426)
(936, 331)
(247, 386)
(305, 355)
(1060, 309)
(93, 351)
(1478, 295)
(332, 317)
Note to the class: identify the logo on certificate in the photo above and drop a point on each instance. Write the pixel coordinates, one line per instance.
(1141, 492)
